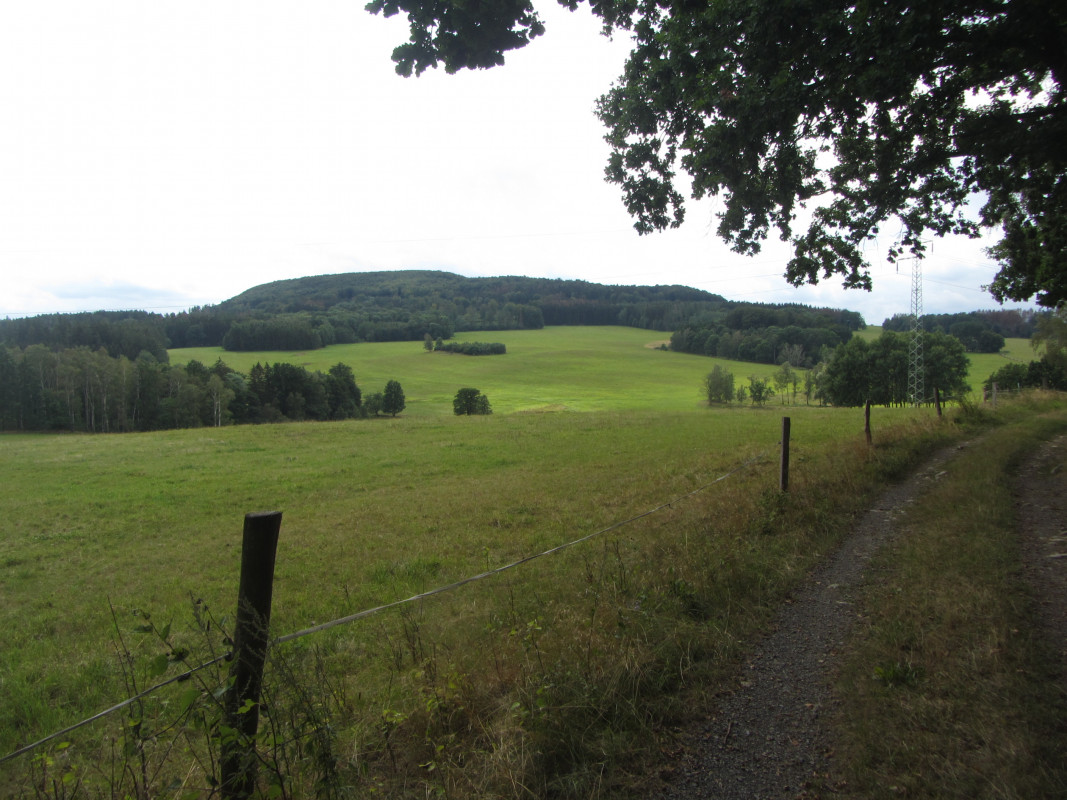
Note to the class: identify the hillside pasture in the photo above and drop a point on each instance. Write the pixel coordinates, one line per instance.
(553, 369)
(566, 655)
(146, 521)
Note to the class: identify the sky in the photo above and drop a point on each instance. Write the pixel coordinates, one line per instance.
(174, 153)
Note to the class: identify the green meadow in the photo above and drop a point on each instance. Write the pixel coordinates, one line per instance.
(553, 369)
(567, 655)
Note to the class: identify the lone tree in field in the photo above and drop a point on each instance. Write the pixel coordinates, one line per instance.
(393, 399)
(849, 379)
(719, 385)
(785, 378)
(372, 404)
(932, 117)
(470, 401)
(759, 389)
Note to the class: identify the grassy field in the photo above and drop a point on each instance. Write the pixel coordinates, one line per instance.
(983, 365)
(146, 520)
(547, 677)
(554, 369)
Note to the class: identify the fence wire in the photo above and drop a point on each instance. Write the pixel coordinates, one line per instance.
(117, 707)
(385, 607)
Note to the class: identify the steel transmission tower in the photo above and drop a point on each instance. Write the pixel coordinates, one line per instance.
(916, 390)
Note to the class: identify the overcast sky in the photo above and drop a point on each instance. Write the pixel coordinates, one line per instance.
(159, 155)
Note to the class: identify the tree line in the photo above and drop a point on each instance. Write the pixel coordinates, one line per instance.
(319, 311)
(980, 331)
(1047, 372)
(83, 390)
(120, 333)
(862, 372)
(856, 373)
(1008, 322)
(1040, 374)
(471, 348)
(798, 335)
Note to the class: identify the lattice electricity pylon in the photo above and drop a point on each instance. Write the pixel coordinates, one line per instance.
(916, 389)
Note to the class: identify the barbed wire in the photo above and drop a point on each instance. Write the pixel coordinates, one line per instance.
(497, 570)
(289, 637)
(117, 707)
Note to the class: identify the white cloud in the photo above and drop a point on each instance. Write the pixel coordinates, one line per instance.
(182, 151)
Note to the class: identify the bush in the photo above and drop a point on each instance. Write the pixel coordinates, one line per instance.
(470, 401)
(719, 385)
(473, 348)
(393, 401)
(1036, 374)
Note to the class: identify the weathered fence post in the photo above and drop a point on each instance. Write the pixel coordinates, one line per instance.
(783, 483)
(258, 548)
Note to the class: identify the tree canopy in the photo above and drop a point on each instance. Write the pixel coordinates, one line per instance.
(719, 385)
(937, 117)
(876, 372)
(393, 400)
(469, 402)
(82, 390)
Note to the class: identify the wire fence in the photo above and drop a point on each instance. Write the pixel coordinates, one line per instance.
(289, 637)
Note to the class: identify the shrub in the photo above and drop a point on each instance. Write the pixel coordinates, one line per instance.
(470, 401)
(719, 385)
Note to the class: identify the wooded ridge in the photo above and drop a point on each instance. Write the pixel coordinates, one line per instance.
(312, 312)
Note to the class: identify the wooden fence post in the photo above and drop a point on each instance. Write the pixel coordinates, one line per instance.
(783, 483)
(251, 637)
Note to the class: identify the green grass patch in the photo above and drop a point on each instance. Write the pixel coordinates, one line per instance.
(947, 692)
(1016, 351)
(548, 370)
(553, 676)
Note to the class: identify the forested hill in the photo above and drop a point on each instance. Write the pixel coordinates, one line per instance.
(312, 312)
(407, 305)
(499, 303)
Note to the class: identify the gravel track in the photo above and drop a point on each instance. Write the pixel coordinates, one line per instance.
(765, 738)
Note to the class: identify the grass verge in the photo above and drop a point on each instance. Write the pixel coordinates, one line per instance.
(948, 691)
